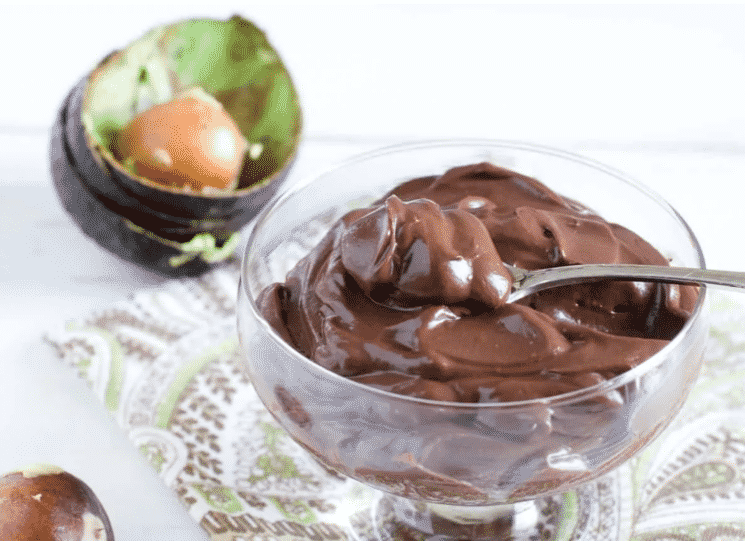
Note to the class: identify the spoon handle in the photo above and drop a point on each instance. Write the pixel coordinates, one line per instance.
(527, 282)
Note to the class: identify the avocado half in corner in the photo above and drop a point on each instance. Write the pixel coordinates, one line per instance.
(225, 66)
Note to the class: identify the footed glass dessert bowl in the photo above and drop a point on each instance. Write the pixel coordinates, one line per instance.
(469, 469)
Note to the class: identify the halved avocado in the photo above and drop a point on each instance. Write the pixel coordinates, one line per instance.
(105, 223)
(114, 195)
(231, 60)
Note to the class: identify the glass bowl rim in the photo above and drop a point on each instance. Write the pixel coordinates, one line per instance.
(575, 396)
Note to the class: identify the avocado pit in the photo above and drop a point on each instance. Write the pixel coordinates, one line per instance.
(46, 503)
(189, 142)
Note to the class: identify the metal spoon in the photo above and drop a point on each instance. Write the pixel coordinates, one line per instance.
(529, 281)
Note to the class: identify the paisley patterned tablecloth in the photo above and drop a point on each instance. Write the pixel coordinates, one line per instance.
(166, 363)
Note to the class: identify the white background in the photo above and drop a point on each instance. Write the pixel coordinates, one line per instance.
(628, 74)
(656, 91)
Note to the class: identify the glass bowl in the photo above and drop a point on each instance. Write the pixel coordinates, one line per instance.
(454, 470)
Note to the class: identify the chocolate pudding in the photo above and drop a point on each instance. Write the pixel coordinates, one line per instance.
(409, 295)
(383, 339)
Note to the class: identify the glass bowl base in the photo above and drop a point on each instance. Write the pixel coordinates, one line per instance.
(401, 519)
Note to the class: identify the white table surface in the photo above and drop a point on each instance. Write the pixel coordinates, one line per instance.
(655, 92)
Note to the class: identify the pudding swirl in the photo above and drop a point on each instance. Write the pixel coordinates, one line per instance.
(409, 295)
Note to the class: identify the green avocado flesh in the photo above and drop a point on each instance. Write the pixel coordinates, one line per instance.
(231, 60)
